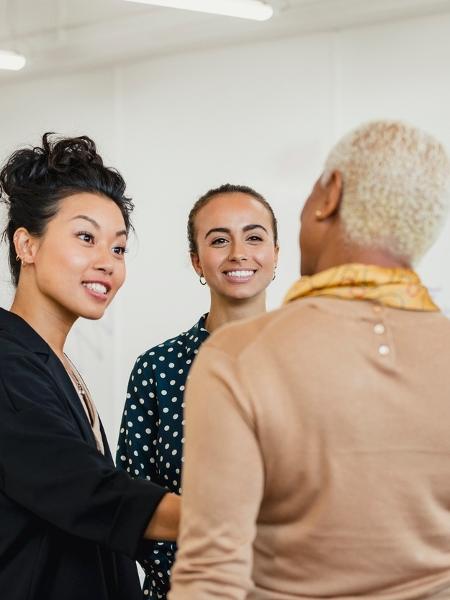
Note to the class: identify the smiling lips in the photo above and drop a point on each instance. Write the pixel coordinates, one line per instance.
(96, 289)
(239, 276)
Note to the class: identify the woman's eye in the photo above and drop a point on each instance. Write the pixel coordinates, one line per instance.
(86, 237)
(219, 241)
(120, 250)
(254, 238)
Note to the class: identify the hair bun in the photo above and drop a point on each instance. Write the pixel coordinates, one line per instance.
(44, 164)
(67, 153)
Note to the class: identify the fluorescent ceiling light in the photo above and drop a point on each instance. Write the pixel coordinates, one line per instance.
(258, 10)
(11, 61)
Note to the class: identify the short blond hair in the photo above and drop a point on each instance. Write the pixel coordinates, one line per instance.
(396, 187)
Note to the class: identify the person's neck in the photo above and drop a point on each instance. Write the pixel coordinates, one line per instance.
(224, 311)
(357, 254)
(45, 318)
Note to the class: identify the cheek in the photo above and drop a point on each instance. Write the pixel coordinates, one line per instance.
(306, 231)
(55, 258)
(267, 257)
(209, 260)
(121, 274)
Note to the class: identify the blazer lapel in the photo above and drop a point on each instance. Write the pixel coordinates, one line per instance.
(69, 393)
(24, 335)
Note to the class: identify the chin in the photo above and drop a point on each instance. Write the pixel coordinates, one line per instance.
(244, 294)
(92, 315)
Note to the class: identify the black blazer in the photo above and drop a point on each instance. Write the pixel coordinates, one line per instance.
(70, 522)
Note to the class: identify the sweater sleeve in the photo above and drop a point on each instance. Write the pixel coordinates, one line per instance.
(47, 468)
(222, 484)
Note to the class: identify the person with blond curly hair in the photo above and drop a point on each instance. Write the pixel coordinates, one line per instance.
(317, 436)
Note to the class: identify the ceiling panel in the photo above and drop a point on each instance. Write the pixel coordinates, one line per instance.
(62, 35)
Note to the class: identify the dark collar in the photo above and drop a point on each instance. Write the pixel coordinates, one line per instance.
(194, 337)
(25, 336)
(23, 333)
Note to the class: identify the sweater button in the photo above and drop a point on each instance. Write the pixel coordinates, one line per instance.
(379, 329)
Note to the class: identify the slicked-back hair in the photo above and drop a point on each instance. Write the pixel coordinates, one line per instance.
(227, 188)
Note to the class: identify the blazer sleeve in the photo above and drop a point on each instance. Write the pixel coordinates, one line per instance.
(48, 469)
(223, 484)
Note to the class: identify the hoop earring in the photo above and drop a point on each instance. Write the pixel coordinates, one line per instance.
(274, 274)
(21, 260)
(202, 279)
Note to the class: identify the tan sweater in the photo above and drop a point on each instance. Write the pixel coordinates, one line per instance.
(318, 457)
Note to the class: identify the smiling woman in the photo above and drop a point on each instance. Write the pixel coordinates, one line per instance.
(68, 519)
(233, 243)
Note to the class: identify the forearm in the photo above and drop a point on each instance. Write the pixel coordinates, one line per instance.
(165, 521)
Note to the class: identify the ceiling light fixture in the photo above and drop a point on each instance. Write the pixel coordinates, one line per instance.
(11, 61)
(258, 10)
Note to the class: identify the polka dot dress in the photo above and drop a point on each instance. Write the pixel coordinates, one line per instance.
(151, 433)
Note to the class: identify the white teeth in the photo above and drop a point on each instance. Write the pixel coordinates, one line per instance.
(240, 273)
(99, 288)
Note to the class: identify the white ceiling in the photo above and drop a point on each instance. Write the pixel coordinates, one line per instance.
(63, 35)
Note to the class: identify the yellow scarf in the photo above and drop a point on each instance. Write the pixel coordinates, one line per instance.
(397, 288)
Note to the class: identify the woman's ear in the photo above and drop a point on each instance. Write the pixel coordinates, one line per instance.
(332, 195)
(277, 251)
(196, 263)
(25, 246)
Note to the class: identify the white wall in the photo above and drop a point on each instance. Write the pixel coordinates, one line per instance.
(263, 114)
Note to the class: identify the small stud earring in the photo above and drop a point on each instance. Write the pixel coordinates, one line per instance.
(202, 279)
(318, 214)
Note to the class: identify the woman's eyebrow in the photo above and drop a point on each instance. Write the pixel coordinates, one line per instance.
(217, 230)
(245, 228)
(254, 226)
(86, 218)
(97, 226)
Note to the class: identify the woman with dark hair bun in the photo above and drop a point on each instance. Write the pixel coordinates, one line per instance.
(233, 244)
(70, 522)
